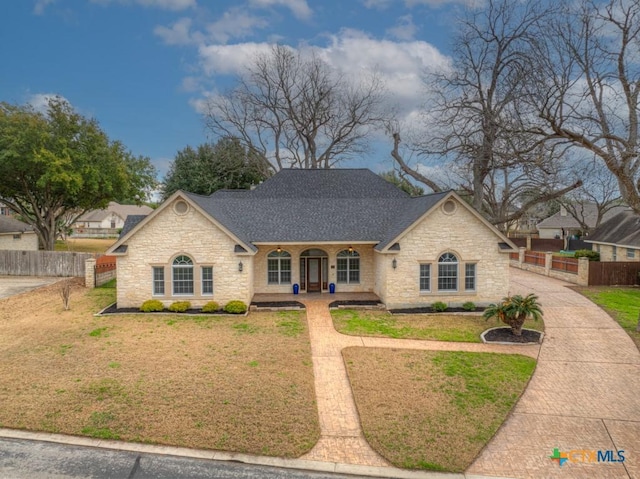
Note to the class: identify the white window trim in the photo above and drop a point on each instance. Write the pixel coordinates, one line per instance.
(279, 270)
(457, 263)
(475, 276)
(348, 270)
(430, 265)
(202, 293)
(153, 281)
(193, 277)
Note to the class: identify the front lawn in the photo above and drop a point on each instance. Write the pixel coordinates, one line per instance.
(85, 245)
(622, 304)
(433, 410)
(230, 383)
(440, 327)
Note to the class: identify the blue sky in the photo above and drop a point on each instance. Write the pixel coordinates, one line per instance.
(143, 67)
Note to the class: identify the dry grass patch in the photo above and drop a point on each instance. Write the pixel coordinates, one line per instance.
(219, 382)
(433, 410)
(440, 327)
(85, 245)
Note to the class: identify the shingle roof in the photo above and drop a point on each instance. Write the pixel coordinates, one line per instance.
(318, 205)
(11, 225)
(590, 214)
(121, 210)
(623, 229)
(295, 206)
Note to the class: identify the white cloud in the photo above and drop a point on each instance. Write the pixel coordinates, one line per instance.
(162, 4)
(177, 34)
(41, 5)
(40, 101)
(234, 23)
(400, 65)
(299, 8)
(404, 29)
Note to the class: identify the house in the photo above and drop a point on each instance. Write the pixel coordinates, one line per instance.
(106, 222)
(16, 235)
(562, 224)
(316, 231)
(618, 239)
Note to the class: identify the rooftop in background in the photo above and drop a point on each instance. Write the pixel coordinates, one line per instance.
(11, 225)
(623, 230)
(563, 219)
(121, 210)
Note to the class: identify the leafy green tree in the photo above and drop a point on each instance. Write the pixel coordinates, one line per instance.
(514, 311)
(402, 183)
(57, 165)
(211, 167)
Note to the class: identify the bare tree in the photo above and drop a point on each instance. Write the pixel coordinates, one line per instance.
(477, 119)
(598, 195)
(587, 86)
(297, 111)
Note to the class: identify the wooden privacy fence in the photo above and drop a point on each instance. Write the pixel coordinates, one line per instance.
(105, 269)
(613, 273)
(572, 270)
(560, 263)
(43, 263)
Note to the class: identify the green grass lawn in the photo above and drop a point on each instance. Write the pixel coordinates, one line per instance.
(440, 327)
(623, 304)
(433, 410)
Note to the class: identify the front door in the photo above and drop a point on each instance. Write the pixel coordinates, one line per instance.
(313, 275)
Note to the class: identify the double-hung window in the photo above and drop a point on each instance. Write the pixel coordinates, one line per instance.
(207, 279)
(425, 277)
(470, 277)
(279, 267)
(448, 272)
(348, 267)
(158, 280)
(182, 275)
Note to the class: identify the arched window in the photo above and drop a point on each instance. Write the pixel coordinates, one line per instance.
(448, 272)
(182, 275)
(279, 267)
(348, 266)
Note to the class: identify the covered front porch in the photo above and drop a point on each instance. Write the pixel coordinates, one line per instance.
(296, 301)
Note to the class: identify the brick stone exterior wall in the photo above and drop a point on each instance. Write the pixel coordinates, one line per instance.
(367, 268)
(460, 233)
(606, 253)
(168, 235)
(26, 242)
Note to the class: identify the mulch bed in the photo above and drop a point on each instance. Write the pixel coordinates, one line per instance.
(429, 309)
(356, 302)
(277, 304)
(113, 309)
(504, 335)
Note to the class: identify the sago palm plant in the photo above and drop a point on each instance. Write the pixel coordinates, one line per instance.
(514, 311)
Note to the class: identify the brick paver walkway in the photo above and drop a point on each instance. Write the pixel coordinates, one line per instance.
(584, 394)
(341, 439)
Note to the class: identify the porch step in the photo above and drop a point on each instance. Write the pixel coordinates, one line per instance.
(276, 306)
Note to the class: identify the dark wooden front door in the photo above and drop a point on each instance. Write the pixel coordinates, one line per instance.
(313, 275)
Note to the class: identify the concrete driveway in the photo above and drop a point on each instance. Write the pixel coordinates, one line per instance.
(12, 285)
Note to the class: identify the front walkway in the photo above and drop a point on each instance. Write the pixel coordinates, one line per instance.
(342, 440)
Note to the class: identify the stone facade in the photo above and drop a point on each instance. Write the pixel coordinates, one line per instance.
(367, 267)
(459, 232)
(27, 241)
(169, 235)
(616, 253)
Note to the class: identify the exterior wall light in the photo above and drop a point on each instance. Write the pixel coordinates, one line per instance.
(240, 266)
(350, 249)
(394, 263)
(279, 249)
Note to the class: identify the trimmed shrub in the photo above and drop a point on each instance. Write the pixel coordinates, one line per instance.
(179, 306)
(587, 253)
(235, 307)
(439, 307)
(152, 306)
(210, 307)
(469, 306)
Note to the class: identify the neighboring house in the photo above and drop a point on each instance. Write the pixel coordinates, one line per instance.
(4, 210)
(106, 222)
(562, 225)
(618, 239)
(16, 235)
(315, 230)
